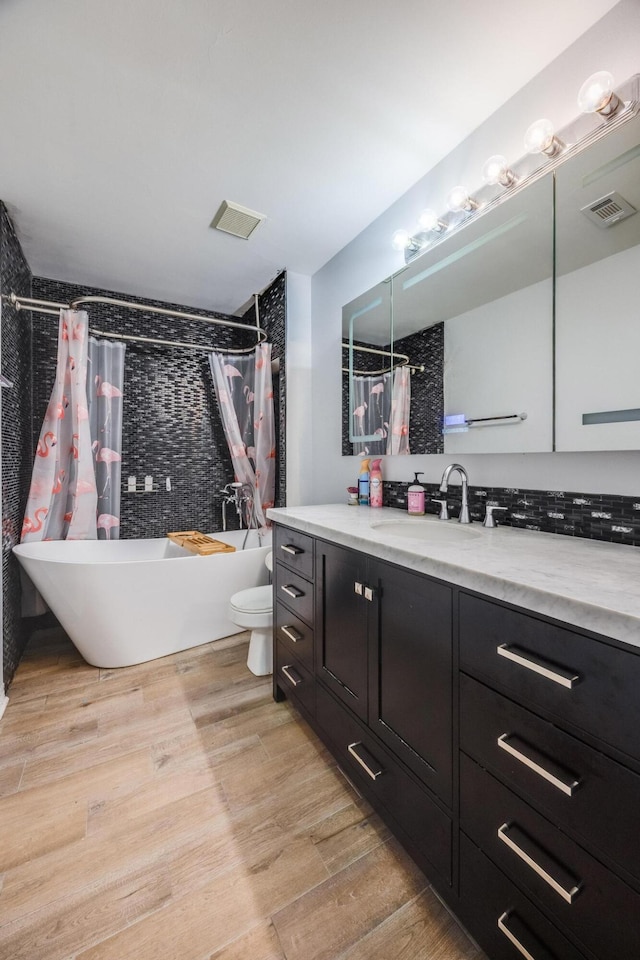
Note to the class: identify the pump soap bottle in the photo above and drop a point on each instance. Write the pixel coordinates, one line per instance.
(375, 485)
(415, 498)
(363, 483)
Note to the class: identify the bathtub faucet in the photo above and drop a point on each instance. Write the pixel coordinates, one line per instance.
(235, 494)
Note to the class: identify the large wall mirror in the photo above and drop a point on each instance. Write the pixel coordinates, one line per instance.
(598, 295)
(455, 353)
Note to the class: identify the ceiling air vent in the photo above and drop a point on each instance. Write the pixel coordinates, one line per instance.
(240, 221)
(608, 210)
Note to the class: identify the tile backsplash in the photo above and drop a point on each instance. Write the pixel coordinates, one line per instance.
(594, 516)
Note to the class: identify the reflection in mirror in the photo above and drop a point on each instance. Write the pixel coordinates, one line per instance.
(474, 316)
(598, 263)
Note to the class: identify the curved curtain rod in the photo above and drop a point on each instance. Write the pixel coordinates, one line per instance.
(405, 361)
(44, 306)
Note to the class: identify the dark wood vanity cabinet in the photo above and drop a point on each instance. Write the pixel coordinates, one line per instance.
(501, 747)
(549, 783)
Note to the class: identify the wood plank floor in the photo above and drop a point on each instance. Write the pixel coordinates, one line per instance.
(173, 811)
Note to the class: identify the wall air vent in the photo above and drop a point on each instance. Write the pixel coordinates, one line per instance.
(240, 221)
(609, 210)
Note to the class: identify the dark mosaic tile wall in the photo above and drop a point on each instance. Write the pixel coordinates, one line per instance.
(273, 314)
(427, 389)
(172, 427)
(17, 450)
(594, 516)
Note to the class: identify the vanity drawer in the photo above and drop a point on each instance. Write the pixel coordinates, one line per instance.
(295, 550)
(574, 785)
(294, 592)
(294, 634)
(294, 678)
(590, 901)
(572, 678)
(382, 779)
(497, 914)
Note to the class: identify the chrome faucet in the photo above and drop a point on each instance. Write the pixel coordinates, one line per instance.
(233, 494)
(444, 486)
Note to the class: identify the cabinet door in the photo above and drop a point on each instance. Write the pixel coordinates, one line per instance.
(341, 637)
(410, 696)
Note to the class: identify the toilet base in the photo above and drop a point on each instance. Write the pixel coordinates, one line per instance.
(260, 658)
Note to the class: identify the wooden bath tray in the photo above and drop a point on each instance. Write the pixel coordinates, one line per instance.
(200, 543)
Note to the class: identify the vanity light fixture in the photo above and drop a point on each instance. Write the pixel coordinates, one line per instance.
(401, 240)
(596, 100)
(429, 221)
(459, 201)
(596, 95)
(496, 170)
(540, 138)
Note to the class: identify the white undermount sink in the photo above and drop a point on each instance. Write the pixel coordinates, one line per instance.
(428, 531)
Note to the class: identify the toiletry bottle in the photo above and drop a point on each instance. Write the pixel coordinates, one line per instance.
(375, 485)
(415, 498)
(363, 483)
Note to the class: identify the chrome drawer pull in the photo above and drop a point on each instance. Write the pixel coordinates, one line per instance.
(530, 758)
(292, 591)
(290, 677)
(369, 594)
(291, 548)
(357, 588)
(564, 677)
(567, 892)
(517, 940)
(292, 634)
(369, 769)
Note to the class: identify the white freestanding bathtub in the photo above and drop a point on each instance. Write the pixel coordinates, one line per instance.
(129, 601)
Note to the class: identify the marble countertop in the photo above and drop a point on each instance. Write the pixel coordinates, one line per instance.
(586, 583)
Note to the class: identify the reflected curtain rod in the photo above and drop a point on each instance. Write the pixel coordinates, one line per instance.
(405, 361)
(53, 308)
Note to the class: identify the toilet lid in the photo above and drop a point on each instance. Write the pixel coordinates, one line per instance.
(254, 600)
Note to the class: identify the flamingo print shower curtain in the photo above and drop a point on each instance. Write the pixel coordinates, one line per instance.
(244, 390)
(80, 441)
(105, 385)
(62, 497)
(381, 408)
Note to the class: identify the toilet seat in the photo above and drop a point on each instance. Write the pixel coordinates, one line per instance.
(253, 602)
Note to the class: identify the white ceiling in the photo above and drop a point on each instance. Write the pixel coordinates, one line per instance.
(125, 124)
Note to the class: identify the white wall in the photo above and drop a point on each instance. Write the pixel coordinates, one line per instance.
(612, 44)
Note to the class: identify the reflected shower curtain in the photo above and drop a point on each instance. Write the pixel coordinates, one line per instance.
(381, 408)
(398, 442)
(62, 497)
(244, 390)
(105, 384)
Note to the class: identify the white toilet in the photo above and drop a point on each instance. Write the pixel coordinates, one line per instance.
(253, 610)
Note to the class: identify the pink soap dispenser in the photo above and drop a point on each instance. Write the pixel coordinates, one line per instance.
(415, 498)
(375, 484)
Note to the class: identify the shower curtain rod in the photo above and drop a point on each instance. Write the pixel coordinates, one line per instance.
(405, 360)
(51, 307)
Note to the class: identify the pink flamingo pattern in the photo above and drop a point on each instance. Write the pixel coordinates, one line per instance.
(248, 419)
(62, 496)
(381, 408)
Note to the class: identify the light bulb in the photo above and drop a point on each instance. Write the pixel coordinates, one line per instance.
(400, 240)
(596, 95)
(496, 170)
(540, 138)
(459, 200)
(428, 220)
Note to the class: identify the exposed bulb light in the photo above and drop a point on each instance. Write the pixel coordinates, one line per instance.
(401, 240)
(459, 200)
(496, 170)
(596, 95)
(429, 220)
(540, 138)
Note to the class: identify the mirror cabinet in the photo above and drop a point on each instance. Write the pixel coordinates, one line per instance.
(517, 333)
